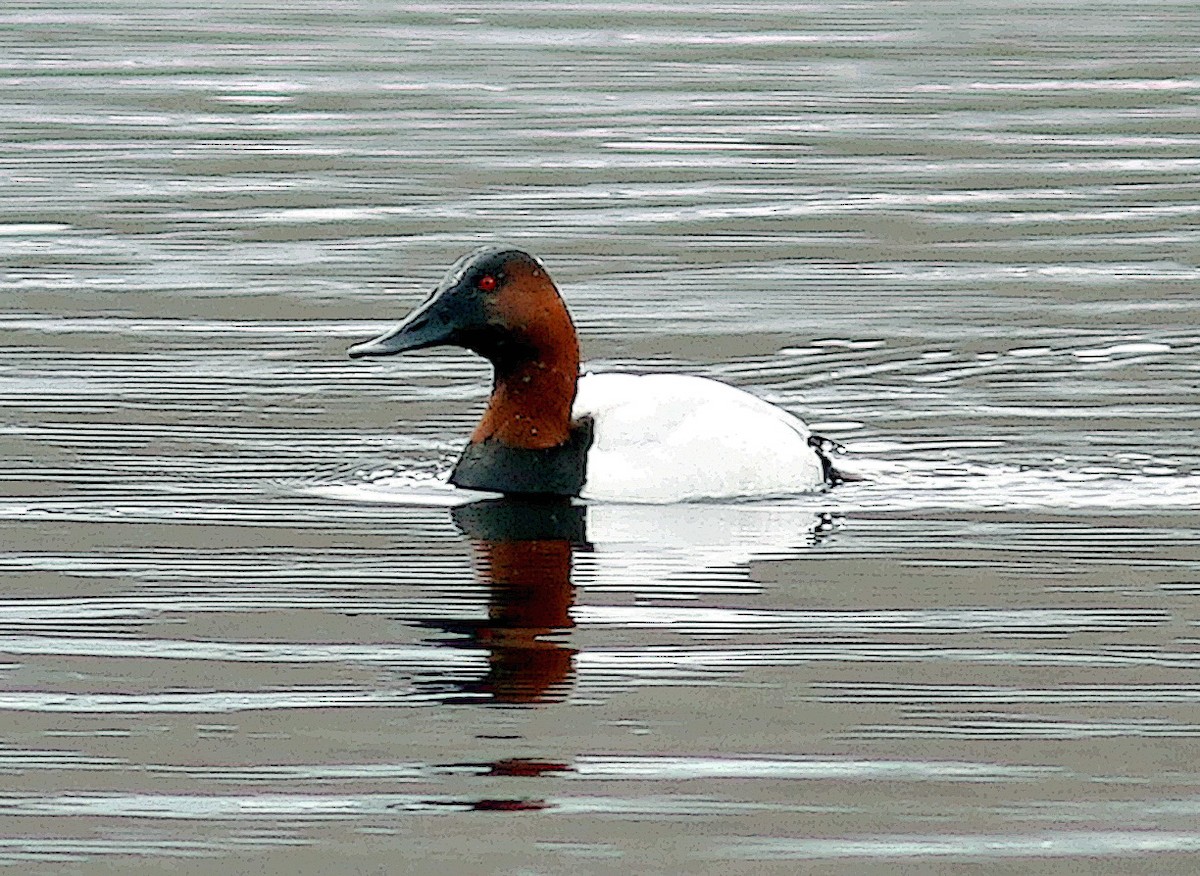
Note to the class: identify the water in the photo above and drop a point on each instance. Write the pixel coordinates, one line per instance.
(242, 628)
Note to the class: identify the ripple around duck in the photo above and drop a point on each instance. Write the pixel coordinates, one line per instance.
(205, 702)
(1048, 844)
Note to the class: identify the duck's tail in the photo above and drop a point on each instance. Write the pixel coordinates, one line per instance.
(826, 449)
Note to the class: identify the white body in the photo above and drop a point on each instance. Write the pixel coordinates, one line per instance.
(673, 438)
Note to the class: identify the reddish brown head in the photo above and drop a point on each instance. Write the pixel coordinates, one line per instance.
(501, 304)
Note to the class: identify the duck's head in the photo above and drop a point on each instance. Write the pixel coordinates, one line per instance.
(499, 303)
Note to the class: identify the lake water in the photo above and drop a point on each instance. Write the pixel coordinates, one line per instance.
(242, 628)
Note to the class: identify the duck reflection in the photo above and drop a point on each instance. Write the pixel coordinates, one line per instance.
(523, 550)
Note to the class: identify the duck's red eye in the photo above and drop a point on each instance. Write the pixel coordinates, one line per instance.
(487, 283)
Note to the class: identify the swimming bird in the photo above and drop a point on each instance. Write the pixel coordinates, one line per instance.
(610, 437)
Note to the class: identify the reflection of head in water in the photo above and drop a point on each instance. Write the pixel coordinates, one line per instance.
(523, 550)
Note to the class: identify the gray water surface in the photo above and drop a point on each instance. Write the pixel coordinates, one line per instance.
(242, 629)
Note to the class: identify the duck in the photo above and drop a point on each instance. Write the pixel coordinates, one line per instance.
(549, 430)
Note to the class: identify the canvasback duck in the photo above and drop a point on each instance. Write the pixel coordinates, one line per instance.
(609, 437)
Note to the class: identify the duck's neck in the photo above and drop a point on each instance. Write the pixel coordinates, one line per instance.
(531, 401)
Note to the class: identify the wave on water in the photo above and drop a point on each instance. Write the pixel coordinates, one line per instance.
(414, 490)
(878, 485)
(904, 486)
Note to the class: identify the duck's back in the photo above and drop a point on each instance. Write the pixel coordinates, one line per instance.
(674, 438)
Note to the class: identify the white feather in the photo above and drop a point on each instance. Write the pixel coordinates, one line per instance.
(675, 438)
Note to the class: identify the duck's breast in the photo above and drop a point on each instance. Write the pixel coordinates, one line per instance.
(675, 438)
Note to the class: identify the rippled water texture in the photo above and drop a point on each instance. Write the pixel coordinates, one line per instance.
(242, 628)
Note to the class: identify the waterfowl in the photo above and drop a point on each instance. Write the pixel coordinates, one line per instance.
(611, 437)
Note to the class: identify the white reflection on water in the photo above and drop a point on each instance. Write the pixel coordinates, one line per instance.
(1042, 844)
(216, 702)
